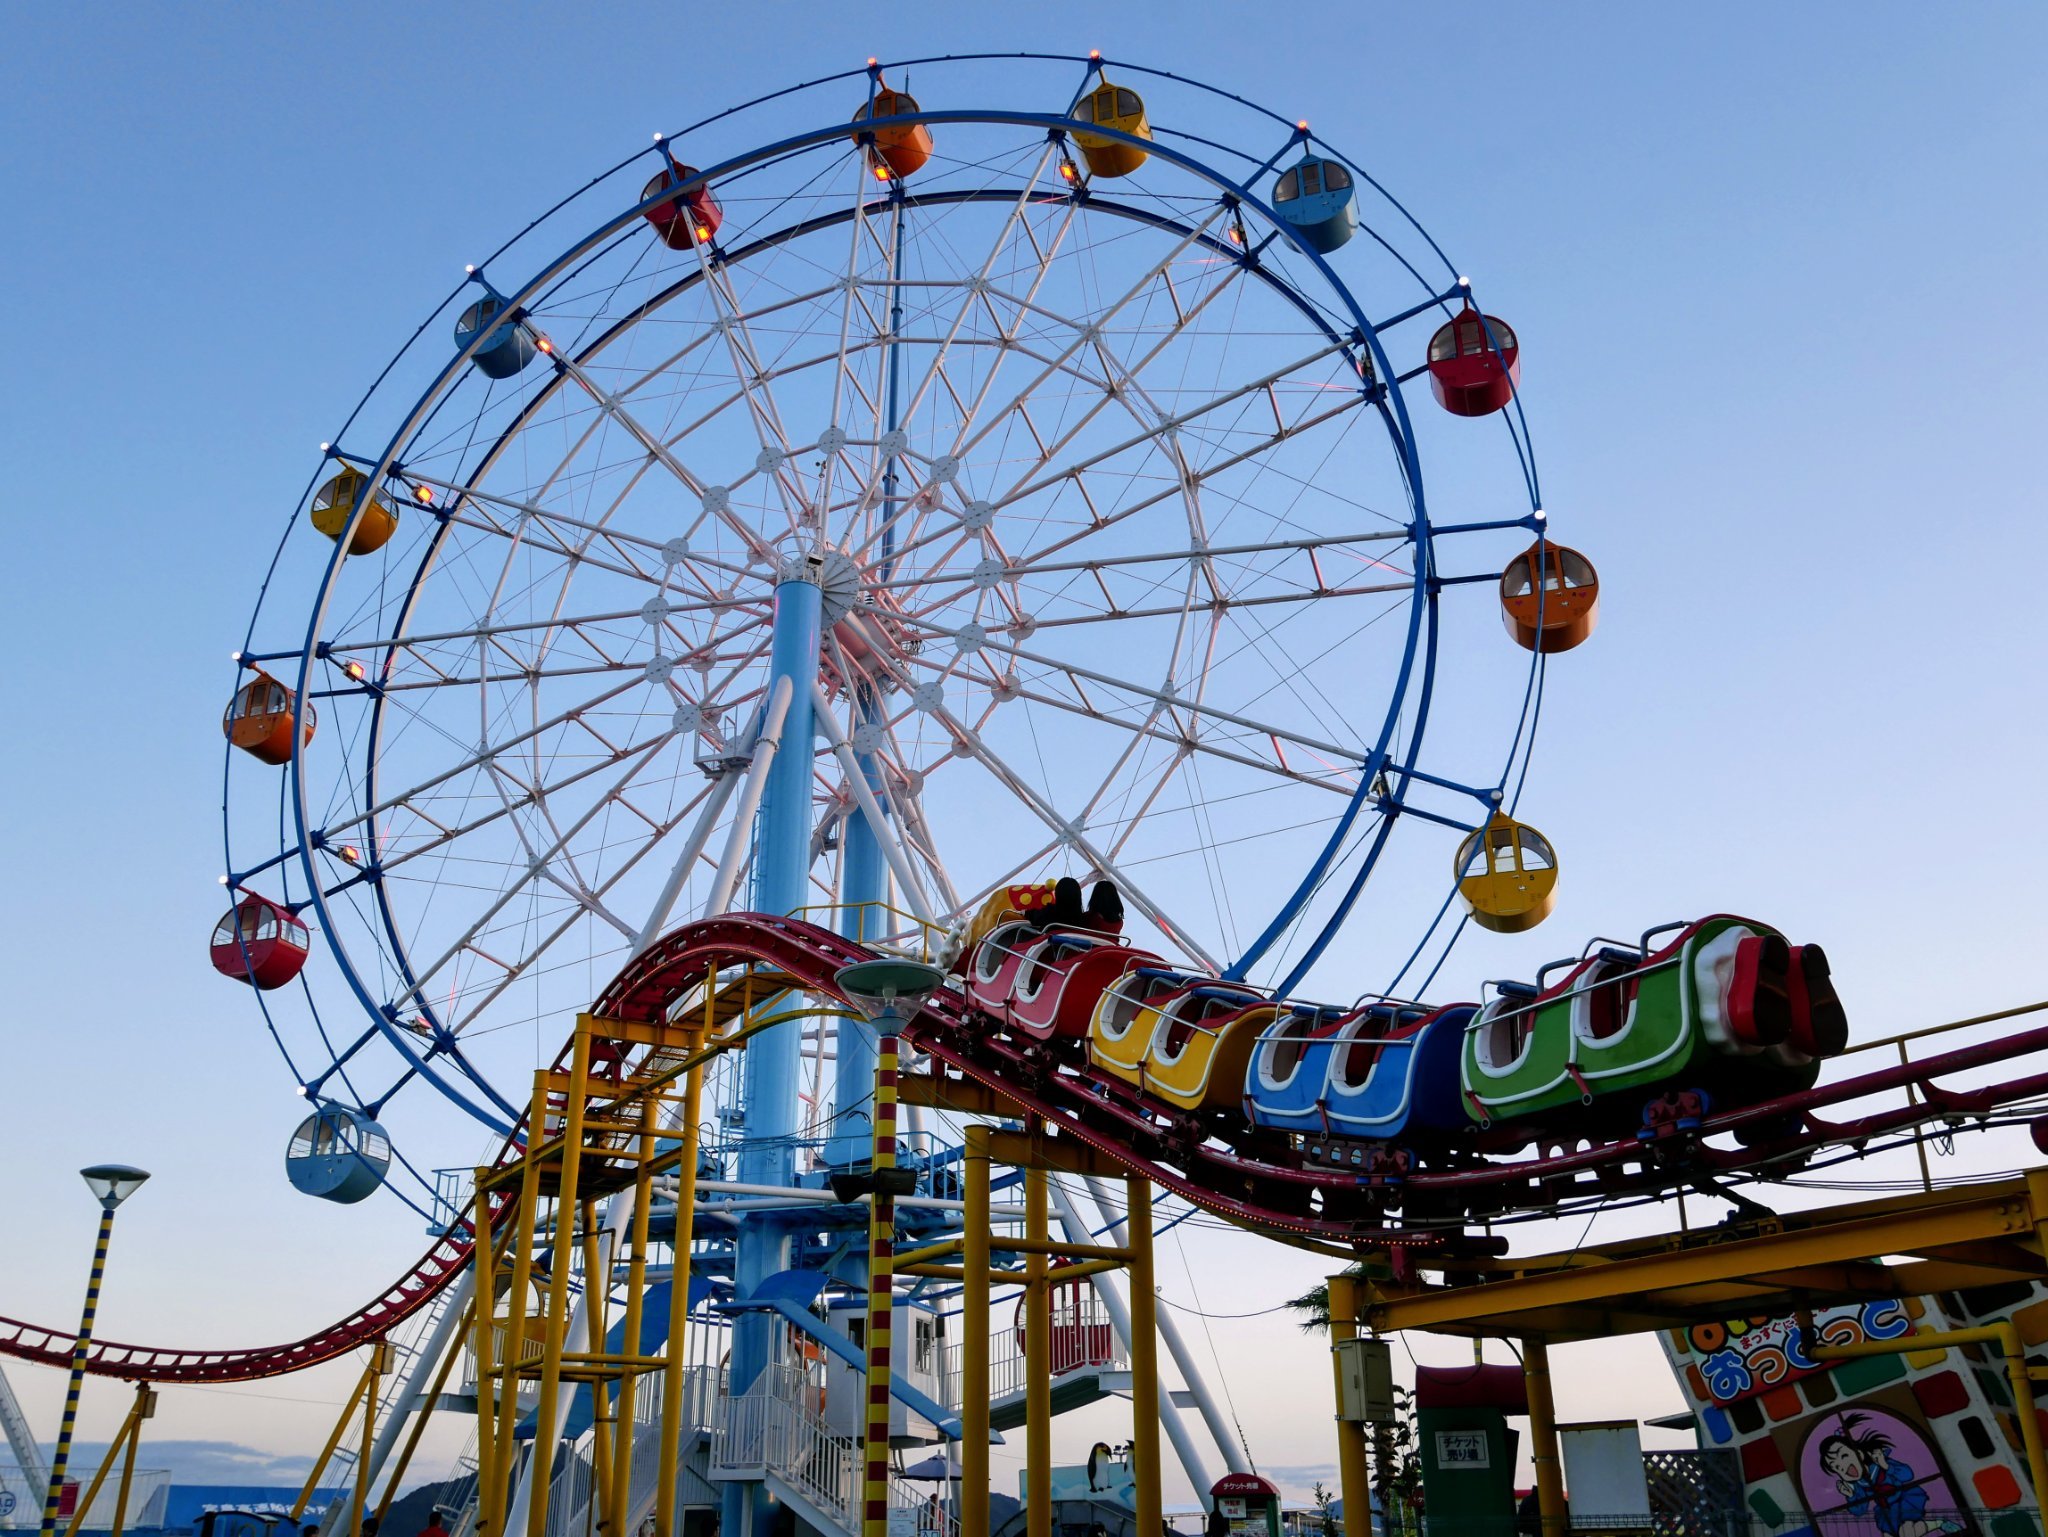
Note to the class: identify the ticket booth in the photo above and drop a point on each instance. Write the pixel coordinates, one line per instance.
(1246, 1505)
(1468, 1449)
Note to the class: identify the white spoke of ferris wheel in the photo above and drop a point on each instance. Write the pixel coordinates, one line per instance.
(848, 287)
(864, 797)
(554, 517)
(1170, 700)
(1351, 401)
(977, 284)
(515, 627)
(765, 747)
(1093, 330)
(609, 405)
(751, 374)
(968, 436)
(534, 867)
(517, 970)
(661, 369)
(1217, 605)
(476, 759)
(1111, 392)
(1032, 566)
(1069, 833)
(531, 795)
(686, 861)
(1171, 423)
(1005, 343)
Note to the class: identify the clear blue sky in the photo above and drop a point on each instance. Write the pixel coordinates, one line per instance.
(1767, 263)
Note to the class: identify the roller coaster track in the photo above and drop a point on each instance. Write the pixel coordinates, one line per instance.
(1244, 1181)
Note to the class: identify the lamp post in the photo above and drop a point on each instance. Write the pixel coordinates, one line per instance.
(875, 987)
(111, 1184)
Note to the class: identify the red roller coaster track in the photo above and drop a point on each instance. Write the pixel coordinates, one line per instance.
(1321, 1208)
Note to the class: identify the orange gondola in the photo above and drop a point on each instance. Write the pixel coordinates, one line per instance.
(1549, 597)
(893, 152)
(260, 718)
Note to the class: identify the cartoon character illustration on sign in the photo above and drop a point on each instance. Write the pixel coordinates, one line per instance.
(1862, 1456)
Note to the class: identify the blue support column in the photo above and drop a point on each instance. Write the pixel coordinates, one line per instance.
(863, 885)
(773, 1060)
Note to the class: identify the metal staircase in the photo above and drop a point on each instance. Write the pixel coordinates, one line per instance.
(771, 1435)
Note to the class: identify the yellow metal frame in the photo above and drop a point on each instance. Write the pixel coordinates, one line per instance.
(590, 1136)
(123, 1446)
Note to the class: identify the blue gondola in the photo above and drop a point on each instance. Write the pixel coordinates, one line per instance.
(507, 350)
(1316, 199)
(338, 1154)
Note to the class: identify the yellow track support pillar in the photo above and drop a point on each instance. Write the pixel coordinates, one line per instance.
(881, 1328)
(145, 1407)
(525, 1219)
(1354, 1483)
(1543, 1437)
(483, 1321)
(1144, 1356)
(380, 1363)
(364, 1383)
(1038, 1355)
(543, 1453)
(122, 1446)
(665, 1524)
(974, 1310)
(636, 1280)
(604, 1445)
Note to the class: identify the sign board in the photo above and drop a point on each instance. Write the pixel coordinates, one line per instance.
(1365, 1381)
(1603, 1468)
(1462, 1449)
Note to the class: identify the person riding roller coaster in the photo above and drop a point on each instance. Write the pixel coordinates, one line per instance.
(1104, 912)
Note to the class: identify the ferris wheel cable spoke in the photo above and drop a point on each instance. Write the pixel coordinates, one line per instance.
(1174, 610)
(1055, 664)
(474, 760)
(750, 373)
(968, 440)
(1148, 435)
(610, 407)
(1031, 565)
(849, 287)
(421, 978)
(1094, 334)
(1122, 514)
(977, 283)
(345, 644)
(664, 369)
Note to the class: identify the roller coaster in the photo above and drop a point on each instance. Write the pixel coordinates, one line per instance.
(1271, 1182)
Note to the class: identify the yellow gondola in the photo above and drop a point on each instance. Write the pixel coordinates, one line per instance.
(1118, 107)
(333, 503)
(1507, 874)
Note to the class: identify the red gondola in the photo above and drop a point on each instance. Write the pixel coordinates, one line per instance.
(259, 942)
(682, 221)
(1472, 375)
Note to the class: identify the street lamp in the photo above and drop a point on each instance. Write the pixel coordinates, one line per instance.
(875, 988)
(111, 1184)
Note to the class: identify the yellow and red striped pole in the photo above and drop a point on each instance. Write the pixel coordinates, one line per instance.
(881, 1286)
(79, 1353)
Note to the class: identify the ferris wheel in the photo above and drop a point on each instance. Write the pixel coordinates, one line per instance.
(1091, 402)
